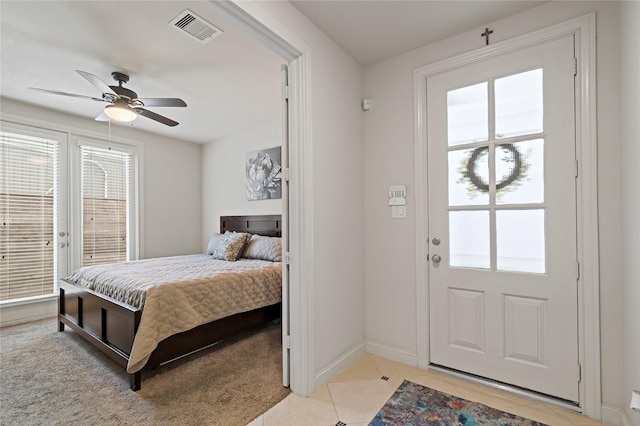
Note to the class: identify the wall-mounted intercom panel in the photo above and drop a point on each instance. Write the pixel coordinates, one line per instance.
(397, 195)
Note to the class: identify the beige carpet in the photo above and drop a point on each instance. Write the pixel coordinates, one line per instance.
(52, 378)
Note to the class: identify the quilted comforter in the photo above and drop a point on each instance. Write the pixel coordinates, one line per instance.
(179, 293)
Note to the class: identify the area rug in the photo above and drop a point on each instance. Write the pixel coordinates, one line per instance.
(416, 405)
(53, 378)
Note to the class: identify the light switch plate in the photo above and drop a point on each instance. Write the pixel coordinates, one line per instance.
(398, 212)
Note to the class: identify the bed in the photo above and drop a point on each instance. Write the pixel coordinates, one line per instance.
(143, 329)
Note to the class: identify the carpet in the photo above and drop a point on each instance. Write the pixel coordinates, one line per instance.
(416, 405)
(53, 378)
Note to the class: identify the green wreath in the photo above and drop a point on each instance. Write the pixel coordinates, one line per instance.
(508, 182)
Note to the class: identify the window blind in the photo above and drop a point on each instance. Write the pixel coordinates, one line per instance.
(105, 183)
(28, 199)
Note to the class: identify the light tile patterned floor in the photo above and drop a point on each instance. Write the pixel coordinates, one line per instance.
(355, 395)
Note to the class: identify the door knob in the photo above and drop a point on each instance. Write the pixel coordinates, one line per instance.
(436, 258)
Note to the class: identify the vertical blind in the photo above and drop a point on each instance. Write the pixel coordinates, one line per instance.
(28, 198)
(105, 183)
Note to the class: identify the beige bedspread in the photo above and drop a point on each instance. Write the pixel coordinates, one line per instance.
(179, 293)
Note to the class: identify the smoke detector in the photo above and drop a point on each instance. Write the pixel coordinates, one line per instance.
(195, 27)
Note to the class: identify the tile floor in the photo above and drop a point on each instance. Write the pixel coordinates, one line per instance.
(355, 395)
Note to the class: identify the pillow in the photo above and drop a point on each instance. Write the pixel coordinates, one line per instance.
(214, 242)
(229, 245)
(264, 248)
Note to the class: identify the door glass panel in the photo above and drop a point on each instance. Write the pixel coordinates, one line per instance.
(519, 104)
(520, 240)
(469, 244)
(29, 195)
(468, 177)
(467, 114)
(520, 172)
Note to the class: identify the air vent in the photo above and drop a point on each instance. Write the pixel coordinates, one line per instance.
(194, 26)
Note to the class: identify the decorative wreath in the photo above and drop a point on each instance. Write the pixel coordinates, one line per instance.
(518, 172)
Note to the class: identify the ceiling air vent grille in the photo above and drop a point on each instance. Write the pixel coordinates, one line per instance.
(194, 26)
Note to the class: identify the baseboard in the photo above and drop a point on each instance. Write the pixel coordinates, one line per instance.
(614, 416)
(394, 354)
(28, 310)
(329, 372)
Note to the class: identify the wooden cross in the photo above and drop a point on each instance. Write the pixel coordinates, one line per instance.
(485, 34)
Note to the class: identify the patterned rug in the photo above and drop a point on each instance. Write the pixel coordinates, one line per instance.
(416, 405)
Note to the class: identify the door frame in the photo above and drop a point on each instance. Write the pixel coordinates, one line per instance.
(250, 18)
(584, 30)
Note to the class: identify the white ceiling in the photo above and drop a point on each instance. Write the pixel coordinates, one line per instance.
(231, 84)
(371, 31)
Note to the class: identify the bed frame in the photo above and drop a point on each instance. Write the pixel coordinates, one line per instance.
(111, 325)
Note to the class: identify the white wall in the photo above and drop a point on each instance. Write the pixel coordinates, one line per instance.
(337, 197)
(389, 159)
(223, 178)
(630, 173)
(171, 208)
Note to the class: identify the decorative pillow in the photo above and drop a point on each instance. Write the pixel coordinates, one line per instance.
(214, 242)
(264, 248)
(230, 246)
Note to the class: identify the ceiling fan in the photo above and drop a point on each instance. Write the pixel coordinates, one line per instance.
(124, 104)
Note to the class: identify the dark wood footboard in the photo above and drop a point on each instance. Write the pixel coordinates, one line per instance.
(111, 326)
(106, 323)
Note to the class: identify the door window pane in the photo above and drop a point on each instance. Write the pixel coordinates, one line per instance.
(520, 240)
(468, 114)
(28, 198)
(469, 244)
(105, 197)
(519, 104)
(469, 177)
(520, 172)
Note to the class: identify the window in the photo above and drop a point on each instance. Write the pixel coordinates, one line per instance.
(105, 212)
(29, 193)
(105, 199)
(66, 201)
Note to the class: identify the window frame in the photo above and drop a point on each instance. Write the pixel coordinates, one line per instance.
(75, 216)
(60, 206)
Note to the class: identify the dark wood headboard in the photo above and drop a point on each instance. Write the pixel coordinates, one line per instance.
(268, 225)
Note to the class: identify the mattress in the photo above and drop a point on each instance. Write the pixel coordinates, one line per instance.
(179, 293)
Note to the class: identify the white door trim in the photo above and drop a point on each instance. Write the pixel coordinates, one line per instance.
(252, 19)
(584, 30)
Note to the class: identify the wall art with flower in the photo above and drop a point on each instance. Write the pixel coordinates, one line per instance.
(263, 174)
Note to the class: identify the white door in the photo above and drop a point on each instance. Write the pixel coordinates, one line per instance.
(284, 73)
(33, 211)
(502, 219)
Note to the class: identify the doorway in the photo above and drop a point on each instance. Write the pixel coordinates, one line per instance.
(584, 166)
(502, 219)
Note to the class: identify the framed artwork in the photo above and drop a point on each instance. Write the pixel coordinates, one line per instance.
(263, 174)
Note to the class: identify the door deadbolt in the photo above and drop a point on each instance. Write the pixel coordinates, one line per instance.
(436, 241)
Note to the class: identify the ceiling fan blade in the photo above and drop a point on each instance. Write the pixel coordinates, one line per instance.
(55, 92)
(163, 102)
(101, 85)
(157, 117)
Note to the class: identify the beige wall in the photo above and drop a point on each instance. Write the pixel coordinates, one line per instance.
(389, 159)
(223, 179)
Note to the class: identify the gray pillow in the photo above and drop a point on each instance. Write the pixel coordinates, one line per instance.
(264, 248)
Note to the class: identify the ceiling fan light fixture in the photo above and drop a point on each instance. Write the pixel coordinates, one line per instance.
(120, 113)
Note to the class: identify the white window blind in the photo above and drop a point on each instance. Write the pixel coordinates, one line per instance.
(105, 192)
(28, 199)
